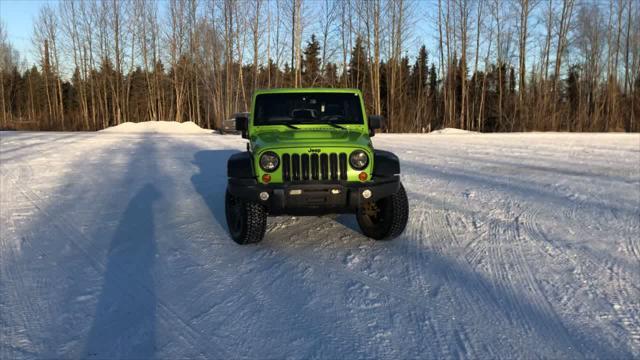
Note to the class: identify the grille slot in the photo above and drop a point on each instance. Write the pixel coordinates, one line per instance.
(315, 166)
(324, 166)
(305, 167)
(296, 167)
(295, 162)
(333, 166)
(286, 167)
(343, 166)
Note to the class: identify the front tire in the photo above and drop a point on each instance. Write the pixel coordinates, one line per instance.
(247, 221)
(384, 219)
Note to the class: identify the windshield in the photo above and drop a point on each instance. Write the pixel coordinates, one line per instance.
(307, 108)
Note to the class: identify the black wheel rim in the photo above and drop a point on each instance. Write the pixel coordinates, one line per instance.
(379, 218)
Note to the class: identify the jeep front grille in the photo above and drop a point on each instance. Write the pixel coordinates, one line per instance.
(298, 167)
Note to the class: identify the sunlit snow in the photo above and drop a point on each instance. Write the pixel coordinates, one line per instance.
(114, 245)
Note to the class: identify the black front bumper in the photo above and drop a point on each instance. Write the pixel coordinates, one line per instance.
(313, 198)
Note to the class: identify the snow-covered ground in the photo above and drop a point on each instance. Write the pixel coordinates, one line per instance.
(114, 244)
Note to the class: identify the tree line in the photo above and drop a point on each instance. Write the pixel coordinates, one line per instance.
(493, 65)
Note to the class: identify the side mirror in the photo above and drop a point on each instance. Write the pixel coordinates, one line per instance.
(375, 122)
(242, 124)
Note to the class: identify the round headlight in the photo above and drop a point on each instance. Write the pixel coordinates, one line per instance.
(359, 159)
(269, 161)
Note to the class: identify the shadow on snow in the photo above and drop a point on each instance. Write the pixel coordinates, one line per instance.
(125, 319)
(211, 180)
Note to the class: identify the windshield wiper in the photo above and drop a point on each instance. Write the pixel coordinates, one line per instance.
(337, 126)
(332, 124)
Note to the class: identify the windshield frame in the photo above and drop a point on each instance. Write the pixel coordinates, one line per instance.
(356, 116)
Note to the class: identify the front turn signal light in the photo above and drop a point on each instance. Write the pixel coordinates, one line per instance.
(266, 178)
(363, 176)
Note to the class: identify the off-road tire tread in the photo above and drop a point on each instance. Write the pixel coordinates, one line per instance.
(400, 213)
(254, 218)
(256, 215)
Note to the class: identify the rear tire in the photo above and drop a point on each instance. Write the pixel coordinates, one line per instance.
(247, 221)
(385, 219)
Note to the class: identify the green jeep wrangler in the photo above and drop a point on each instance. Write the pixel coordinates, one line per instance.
(310, 153)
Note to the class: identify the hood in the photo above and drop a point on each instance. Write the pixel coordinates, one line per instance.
(306, 137)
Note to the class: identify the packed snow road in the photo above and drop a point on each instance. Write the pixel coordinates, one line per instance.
(518, 245)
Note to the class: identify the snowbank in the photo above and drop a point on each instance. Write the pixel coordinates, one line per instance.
(158, 127)
(452, 131)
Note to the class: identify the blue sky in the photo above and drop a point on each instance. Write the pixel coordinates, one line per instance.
(18, 16)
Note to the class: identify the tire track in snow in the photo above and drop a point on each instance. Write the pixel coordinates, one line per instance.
(508, 265)
(442, 238)
(76, 237)
(572, 212)
(15, 276)
(457, 299)
(539, 297)
(633, 247)
(627, 311)
(632, 243)
(299, 252)
(475, 252)
(617, 276)
(416, 234)
(302, 253)
(445, 244)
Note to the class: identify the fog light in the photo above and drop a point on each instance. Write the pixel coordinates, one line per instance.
(264, 196)
(366, 194)
(295, 192)
(335, 191)
(362, 176)
(266, 178)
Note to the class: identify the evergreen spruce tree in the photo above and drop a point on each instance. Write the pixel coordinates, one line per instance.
(572, 88)
(311, 63)
(358, 65)
(433, 80)
(420, 71)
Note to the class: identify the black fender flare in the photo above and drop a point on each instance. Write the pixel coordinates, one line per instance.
(240, 165)
(385, 164)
